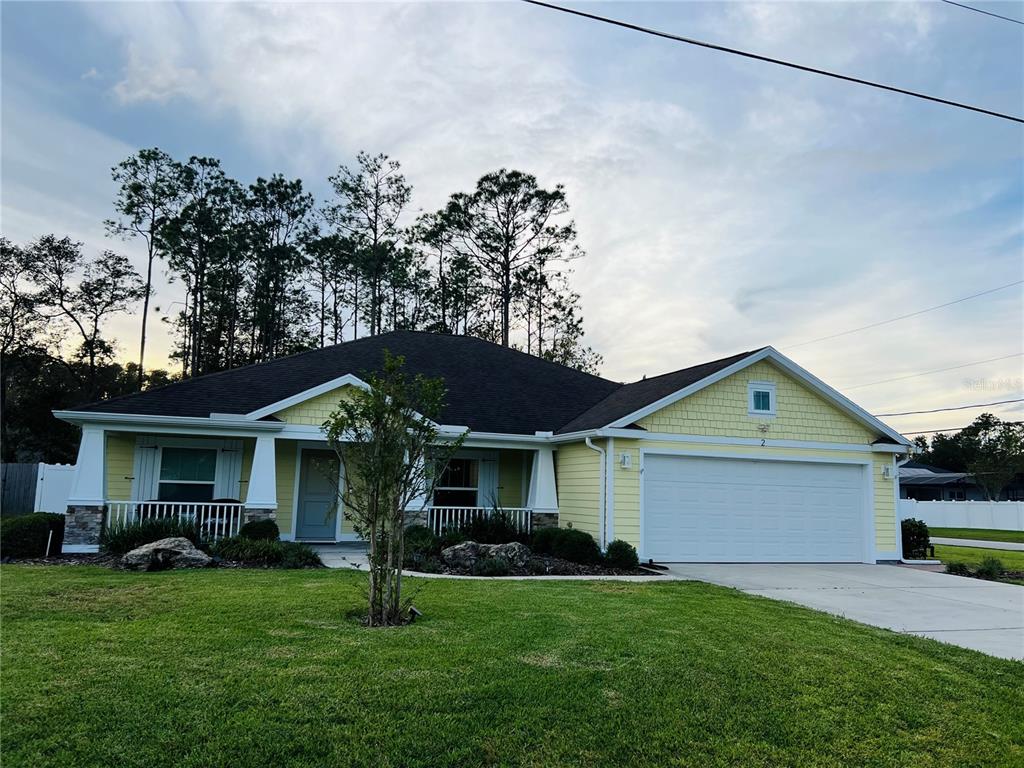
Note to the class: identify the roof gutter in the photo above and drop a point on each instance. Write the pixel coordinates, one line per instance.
(128, 419)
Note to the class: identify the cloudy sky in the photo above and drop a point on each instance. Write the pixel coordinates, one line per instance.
(724, 204)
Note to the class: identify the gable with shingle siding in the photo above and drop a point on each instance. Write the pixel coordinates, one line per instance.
(315, 411)
(721, 410)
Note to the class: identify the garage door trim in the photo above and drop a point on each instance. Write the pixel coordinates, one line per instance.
(868, 507)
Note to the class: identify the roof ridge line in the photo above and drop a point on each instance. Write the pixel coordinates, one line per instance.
(748, 353)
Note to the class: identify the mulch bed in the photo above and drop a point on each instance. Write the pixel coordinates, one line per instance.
(114, 561)
(81, 558)
(553, 566)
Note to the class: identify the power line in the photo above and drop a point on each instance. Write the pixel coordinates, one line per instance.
(768, 59)
(954, 408)
(937, 370)
(903, 317)
(951, 429)
(987, 13)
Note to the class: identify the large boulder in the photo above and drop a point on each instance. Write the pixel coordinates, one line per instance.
(175, 552)
(465, 555)
(515, 553)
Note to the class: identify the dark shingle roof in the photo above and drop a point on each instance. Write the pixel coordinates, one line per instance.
(632, 397)
(490, 388)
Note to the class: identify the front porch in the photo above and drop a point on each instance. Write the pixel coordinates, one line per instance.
(220, 482)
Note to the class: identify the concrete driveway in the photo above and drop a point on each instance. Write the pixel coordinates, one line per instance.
(985, 616)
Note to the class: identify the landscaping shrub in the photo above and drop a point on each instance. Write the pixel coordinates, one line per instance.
(450, 536)
(915, 539)
(420, 546)
(26, 535)
(621, 554)
(491, 566)
(536, 567)
(431, 565)
(124, 537)
(577, 547)
(567, 544)
(958, 569)
(543, 540)
(273, 554)
(990, 568)
(260, 530)
(495, 528)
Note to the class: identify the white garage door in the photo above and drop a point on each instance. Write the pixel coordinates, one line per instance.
(708, 510)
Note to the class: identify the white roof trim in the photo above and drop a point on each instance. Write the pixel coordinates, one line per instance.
(135, 419)
(320, 389)
(772, 354)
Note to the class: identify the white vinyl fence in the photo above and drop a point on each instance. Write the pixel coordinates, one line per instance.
(1001, 515)
(53, 486)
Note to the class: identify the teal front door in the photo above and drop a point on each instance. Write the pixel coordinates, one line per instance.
(317, 516)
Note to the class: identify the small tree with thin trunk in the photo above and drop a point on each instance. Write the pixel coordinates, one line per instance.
(388, 444)
(148, 195)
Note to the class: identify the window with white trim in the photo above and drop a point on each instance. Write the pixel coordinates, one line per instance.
(187, 474)
(459, 484)
(761, 398)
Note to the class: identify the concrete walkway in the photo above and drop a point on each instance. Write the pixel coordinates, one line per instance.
(1008, 545)
(983, 615)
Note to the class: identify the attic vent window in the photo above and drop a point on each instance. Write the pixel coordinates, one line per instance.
(761, 398)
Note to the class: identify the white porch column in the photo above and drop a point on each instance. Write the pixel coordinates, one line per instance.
(84, 517)
(87, 488)
(261, 493)
(543, 496)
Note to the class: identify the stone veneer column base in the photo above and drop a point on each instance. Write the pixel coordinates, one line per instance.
(544, 520)
(82, 528)
(255, 515)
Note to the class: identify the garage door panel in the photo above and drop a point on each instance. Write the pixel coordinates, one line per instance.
(737, 510)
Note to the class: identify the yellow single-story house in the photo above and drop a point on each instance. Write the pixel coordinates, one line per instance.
(749, 458)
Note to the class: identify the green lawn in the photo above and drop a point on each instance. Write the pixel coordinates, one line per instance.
(1012, 561)
(267, 668)
(985, 534)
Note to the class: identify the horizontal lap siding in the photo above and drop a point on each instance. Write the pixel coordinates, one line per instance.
(885, 504)
(578, 474)
(626, 517)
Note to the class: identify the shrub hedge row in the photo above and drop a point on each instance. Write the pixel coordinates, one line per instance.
(27, 535)
(423, 546)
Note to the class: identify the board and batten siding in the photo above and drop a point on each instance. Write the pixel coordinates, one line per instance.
(578, 479)
(120, 461)
(721, 410)
(512, 474)
(285, 455)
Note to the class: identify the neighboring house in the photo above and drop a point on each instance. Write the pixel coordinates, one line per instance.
(923, 482)
(748, 458)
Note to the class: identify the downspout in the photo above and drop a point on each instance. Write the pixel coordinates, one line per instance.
(602, 506)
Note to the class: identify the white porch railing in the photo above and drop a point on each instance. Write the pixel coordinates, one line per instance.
(442, 517)
(215, 520)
